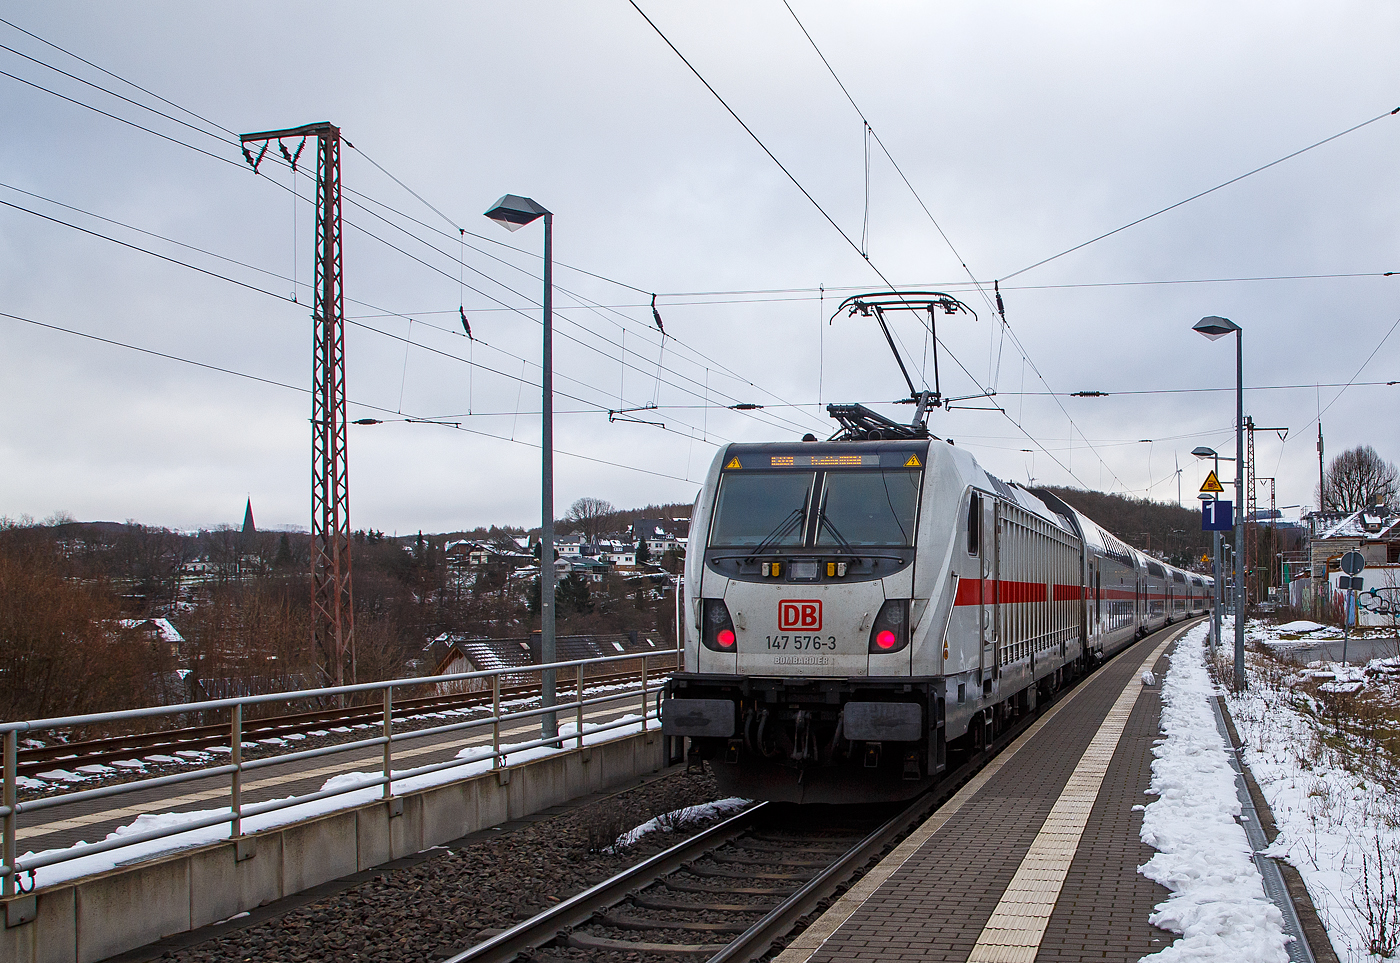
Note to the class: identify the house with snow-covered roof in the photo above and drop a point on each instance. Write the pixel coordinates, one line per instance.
(662, 535)
(1374, 532)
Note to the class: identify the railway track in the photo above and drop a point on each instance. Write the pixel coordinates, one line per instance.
(732, 892)
(33, 761)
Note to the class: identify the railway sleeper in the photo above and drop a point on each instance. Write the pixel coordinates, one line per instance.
(768, 844)
(582, 941)
(681, 886)
(703, 871)
(652, 902)
(747, 859)
(632, 923)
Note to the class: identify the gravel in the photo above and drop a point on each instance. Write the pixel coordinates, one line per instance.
(464, 894)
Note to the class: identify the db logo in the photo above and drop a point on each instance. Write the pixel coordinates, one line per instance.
(800, 615)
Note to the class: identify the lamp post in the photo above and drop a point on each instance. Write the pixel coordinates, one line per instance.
(1215, 328)
(513, 212)
(1216, 566)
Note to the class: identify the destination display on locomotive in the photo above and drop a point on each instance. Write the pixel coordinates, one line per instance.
(887, 459)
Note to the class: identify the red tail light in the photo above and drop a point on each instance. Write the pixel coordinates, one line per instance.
(717, 631)
(890, 633)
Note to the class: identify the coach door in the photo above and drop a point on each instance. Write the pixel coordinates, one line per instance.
(988, 596)
(992, 650)
(1098, 600)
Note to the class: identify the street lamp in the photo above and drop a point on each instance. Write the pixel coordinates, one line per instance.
(513, 212)
(1215, 328)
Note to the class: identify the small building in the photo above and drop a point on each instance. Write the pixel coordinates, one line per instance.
(476, 654)
(590, 568)
(157, 632)
(1374, 532)
(573, 546)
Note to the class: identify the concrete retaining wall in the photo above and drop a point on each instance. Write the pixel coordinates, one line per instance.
(94, 918)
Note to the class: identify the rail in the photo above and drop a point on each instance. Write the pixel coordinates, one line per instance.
(33, 761)
(13, 868)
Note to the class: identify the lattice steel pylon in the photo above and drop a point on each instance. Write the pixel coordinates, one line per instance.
(1251, 526)
(332, 599)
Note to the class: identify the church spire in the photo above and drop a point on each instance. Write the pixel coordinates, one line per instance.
(248, 527)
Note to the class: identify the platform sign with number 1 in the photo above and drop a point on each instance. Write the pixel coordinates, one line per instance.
(1217, 516)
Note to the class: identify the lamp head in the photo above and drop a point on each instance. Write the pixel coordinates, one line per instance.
(1203, 452)
(1215, 328)
(513, 212)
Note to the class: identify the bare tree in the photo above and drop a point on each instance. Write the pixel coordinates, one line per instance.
(1358, 479)
(587, 515)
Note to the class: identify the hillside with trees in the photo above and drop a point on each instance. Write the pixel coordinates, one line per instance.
(76, 600)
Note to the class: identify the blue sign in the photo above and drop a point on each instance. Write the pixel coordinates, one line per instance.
(1217, 516)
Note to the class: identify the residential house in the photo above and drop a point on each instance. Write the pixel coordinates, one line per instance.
(572, 546)
(662, 535)
(478, 654)
(1374, 532)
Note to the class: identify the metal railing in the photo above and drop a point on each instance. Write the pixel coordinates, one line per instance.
(13, 868)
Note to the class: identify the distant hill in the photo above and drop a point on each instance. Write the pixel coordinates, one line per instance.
(1162, 528)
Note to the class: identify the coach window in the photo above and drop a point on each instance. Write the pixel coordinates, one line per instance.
(974, 524)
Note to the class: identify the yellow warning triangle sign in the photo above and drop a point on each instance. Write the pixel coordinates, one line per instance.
(734, 463)
(1212, 485)
(913, 462)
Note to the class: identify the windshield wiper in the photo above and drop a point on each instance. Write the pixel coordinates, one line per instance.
(825, 524)
(783, 529)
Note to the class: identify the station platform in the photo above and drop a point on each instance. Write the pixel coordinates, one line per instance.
(1036, 857)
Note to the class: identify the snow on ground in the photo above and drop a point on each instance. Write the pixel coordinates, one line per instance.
(679, 819)
(1217, 902)
(361, 790)
(54, 775)
(1331, 787)
(1300, 627)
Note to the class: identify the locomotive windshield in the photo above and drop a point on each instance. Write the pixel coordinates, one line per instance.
(762, 508)
(868, 509)
(855, 509)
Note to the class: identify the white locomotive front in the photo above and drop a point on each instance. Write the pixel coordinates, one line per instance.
(859, 610)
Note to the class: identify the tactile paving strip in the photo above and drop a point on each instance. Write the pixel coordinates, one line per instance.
(1014, 932)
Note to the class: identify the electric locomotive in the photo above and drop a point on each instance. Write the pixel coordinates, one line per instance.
(859, 609)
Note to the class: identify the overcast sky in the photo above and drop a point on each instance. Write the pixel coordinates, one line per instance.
(1026, 129)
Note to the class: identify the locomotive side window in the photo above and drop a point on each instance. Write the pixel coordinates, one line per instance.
(762, 508)
(868, 508)
(974, 524)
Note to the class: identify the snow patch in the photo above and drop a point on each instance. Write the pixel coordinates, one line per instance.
(475, 761)
(1217, 902)
(1300, 626)
(679, 819)
(1338, 818)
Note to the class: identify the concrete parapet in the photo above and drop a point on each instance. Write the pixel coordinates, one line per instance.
(90, 919)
